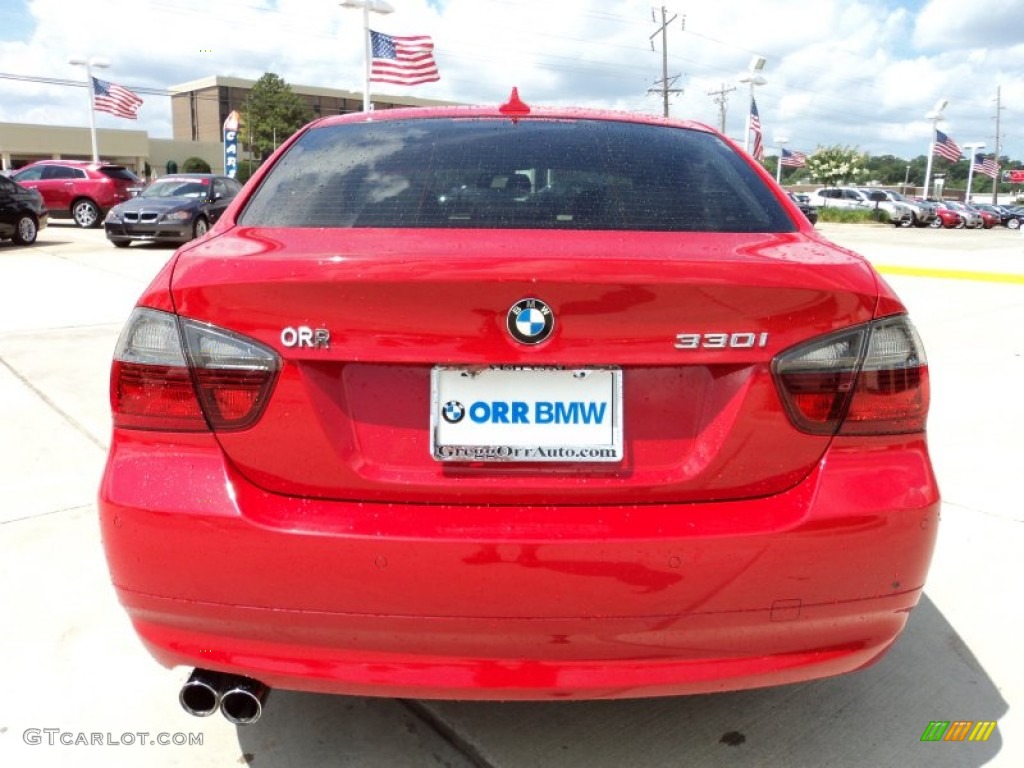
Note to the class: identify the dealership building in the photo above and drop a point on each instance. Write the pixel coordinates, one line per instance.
(198, 111)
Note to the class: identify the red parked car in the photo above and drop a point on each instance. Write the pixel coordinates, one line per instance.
(513, 403)
(988, 218)
(947, 218)
(79, 190)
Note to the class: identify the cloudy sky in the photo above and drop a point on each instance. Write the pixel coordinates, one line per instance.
(862, 73)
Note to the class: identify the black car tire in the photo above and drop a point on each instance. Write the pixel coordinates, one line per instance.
(1013, 224)
(936, 223)
(26, 230)
(200, 228)
(85, 213)
(121, 242)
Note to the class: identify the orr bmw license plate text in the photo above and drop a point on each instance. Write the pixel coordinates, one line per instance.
(527, 414)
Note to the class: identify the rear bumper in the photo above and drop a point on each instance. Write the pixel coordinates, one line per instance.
(516, 602)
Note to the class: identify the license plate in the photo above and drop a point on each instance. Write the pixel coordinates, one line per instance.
(526, 414)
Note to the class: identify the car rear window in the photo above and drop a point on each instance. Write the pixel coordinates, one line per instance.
(499, 173)
(117, 172)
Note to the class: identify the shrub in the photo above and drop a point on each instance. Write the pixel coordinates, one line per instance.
(850, 215)
(195, 165)
(244, 173)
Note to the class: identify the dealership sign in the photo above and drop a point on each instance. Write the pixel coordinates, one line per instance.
(231, 145)
(1015, 177)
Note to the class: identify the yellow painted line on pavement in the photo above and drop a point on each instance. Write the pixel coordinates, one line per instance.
(952, 274)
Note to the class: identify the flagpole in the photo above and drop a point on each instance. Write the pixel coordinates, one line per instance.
(753, 77)
(377, 6)
(367, 52)
(89, 64)
(782, 141)
(970, 149)
(746, 131)
(935, 116)
(928, 166)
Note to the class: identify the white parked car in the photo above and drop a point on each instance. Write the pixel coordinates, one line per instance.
(838, 197)
(900, 214)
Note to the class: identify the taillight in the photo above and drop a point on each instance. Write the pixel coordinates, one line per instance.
(868, 380)
(172, 373)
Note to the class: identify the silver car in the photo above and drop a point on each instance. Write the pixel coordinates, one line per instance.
(923, 213)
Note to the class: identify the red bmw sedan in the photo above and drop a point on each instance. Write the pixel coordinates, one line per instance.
(513, 403)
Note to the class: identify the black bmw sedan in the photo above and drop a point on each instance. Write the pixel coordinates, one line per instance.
(174, 209)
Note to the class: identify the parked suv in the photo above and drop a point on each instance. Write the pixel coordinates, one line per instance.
(853, 197)
(838, 197)
(923, 213)
(79, 190)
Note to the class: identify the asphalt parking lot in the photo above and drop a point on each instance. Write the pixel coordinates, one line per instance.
(79, 690)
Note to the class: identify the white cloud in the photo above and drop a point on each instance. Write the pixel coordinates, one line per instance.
(839, 71)
(954, 25)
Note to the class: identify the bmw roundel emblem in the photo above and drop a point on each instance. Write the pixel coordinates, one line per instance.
(453, 411)
(530, 321)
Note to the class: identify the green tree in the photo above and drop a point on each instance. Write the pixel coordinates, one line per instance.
(887, 169)
(271, 114)
(836, 165)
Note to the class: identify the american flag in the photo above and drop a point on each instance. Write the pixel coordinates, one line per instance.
(986, 165)
(402, 60)
(114, 99)
(946, 147)
(755, 127)
(793, 159)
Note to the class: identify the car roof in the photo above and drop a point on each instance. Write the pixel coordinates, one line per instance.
(533, 113)
(75, 163)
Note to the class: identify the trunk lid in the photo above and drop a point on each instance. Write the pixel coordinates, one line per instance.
(682, 315)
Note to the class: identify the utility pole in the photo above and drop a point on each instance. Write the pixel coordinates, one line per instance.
(666, 82)
(721, 100)
(995, 181)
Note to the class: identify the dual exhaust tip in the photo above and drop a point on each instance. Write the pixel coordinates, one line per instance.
(240, 699)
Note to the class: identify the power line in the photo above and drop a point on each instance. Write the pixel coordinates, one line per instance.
(80, 83)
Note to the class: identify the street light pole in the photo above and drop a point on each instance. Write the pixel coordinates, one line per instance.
(970, 148)
(935, 116)
(89, 63)
(754, 78)
(377, 6)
